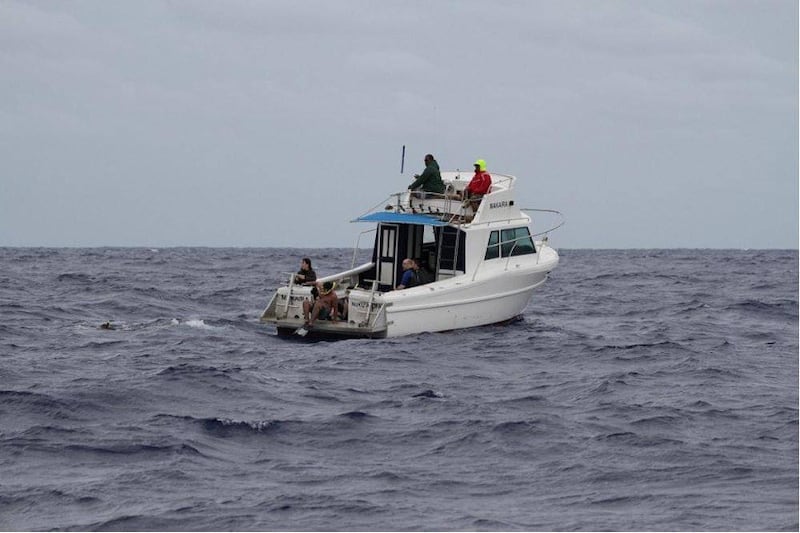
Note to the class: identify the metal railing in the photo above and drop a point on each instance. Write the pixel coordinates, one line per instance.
(402, 202)
(358, 240)
(516, 242)
(366, 322)
(545, 232)
(288, 294)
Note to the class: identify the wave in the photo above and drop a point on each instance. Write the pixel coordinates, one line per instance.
(518, 427)
(355, 415)
(677, 279)
(191, 372)
(638, 440)
(196, 323)
(530, 401)
(133, 449)
(75, 276)
(428, 393)
(645, 347)
(37, 403)
(780, 309)
(101, 345)
(136, 522)
(491, 524)
(49, 496)
(66, 442)
(223, 427)
(659, 421)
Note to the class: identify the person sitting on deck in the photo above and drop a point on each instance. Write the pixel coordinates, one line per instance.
(408, 274)
(306, 274)
(430, 180)
(325, 307)
(422, 274)
(413, 275)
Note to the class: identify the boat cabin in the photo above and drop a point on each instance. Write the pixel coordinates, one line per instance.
(437, 230)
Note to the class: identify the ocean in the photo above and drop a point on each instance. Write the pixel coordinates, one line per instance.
(641, 390)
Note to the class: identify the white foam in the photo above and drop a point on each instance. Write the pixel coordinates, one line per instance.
(192, 323)
(197, 323)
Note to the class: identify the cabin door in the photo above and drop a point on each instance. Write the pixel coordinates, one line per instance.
(387, 254)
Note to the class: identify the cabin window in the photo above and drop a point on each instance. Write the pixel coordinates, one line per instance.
(493, 251)
(516, 241)
(509, 242)
(428, 236)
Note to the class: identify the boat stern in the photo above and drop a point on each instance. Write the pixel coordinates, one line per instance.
(363, 315)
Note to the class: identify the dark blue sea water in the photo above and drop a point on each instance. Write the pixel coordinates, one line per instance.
(643, 390)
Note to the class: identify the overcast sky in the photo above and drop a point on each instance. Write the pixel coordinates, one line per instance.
(649, 124)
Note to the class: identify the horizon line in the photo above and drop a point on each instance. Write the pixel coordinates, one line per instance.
(245, 247)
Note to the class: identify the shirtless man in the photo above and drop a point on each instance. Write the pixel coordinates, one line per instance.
(325, 306)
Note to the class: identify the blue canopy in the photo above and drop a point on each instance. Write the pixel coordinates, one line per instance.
(400, 218)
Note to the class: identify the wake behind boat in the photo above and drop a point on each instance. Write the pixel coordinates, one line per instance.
(483, 260)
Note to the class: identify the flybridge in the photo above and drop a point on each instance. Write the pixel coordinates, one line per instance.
(451, 207)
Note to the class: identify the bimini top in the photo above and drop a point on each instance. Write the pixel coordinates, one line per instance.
(400, 218)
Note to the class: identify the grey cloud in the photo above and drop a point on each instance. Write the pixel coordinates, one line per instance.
(228, 123)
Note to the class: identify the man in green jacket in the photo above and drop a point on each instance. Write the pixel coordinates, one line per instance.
(430, 180)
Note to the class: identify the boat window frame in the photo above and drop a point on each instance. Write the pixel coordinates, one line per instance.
(493, 246)
(500, 246)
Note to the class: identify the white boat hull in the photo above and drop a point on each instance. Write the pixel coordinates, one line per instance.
(499, 293)
(497, 296)
(456, 313)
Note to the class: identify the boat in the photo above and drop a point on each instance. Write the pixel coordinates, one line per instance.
(483, 257)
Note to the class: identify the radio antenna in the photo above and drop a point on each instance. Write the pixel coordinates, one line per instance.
(403, 159)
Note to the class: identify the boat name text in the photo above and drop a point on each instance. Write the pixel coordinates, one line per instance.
(363, 305)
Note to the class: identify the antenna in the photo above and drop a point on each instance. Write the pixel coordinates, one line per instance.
(403, 159)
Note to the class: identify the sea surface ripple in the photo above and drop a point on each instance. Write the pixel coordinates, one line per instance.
(642, 390)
